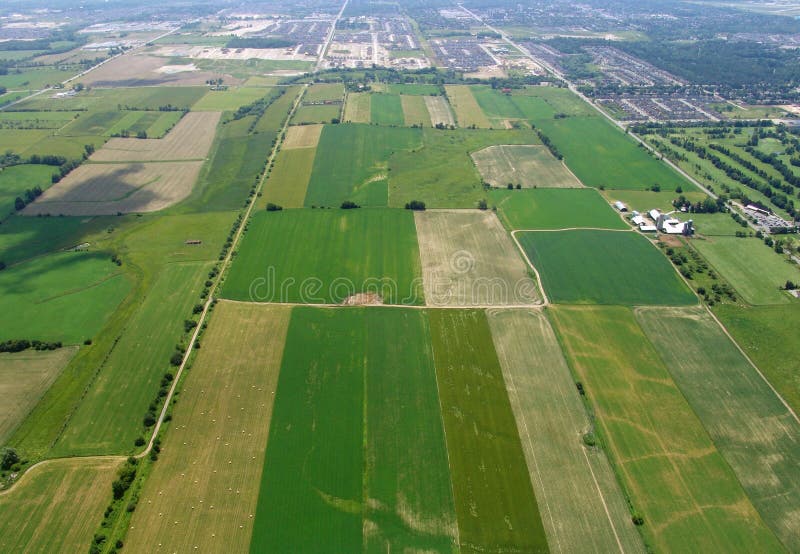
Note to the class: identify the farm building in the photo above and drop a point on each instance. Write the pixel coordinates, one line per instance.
(620, 206)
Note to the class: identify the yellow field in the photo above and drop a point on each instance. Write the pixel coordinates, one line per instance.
(439, 110)
(288, 182)
(528, 165)
(414, 110)
(468, 112)
(24, 378)
(57, 506)
(358, 108)
(105, 189)
(302, 136)
(190, 139)
(468, 259)
(204, 487)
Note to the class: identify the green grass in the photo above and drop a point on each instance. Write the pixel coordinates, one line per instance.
(467, 111)
(277, 112)
(766, 333)
(352, 163)
(163, 124)
(415, 89)
(15, 180)
(554, 209)
(346, 464)
(387, 109)
(752, 429)
(288, 182)
(599, 154)
(495, 503)
(109, 99)
(38, 120)
(415, 111)
(324, 91)
(754, 270)
(24, 237)
(316, 114)
(603, 267)
(100, 123)
(676, 479)
(61, 297)
(35, 78)
(344, 252)
(645, 200)
(231, 99)
(495, 104)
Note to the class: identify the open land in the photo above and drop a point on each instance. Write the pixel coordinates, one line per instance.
(528, 166)
(467, 111)
(439, 110)
(554, 209)
(358, 109)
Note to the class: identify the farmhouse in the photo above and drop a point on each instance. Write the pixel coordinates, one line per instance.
(663, 223)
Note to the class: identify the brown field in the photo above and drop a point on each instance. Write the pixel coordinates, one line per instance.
(141, 70)
(302, 136)
(205, 485)
(439, 110)
(57, 506)
(358, 107)
(106, 189)
(415, 110)
(24, 378)
(468, 111)
(528, 165)
(190, 139)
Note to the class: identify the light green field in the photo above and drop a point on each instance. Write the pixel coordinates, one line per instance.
(349, 467)
(495, 503)
(352, 163)
(554, 209)
(35, 78)
(386, 109)
(60, 297)
(39, 514)
(415, 112)
(345, 252)
(467, 111)
(468, 259)
(525, 165)
(605, 267)
(15, 180)
(231, 99)
(324, 91)
(288, 182)
(108, 99)
(574, 483)
(677, 481)
(754, 270)
(230, 389)
(358, 109)
(752, 429)
(24, 377)
(316, 114)
(415, 89)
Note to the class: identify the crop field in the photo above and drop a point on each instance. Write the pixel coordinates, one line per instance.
(103, 421)
(604, 267)
(574, 484)
(754, 270)
(303, 136)
(321, 92)
(34, 78)
(190, 139)
(143, 70)
(24, 377)
(386, 109)
(439, 111)
(495, 504)
(415, 112)
(752, 429)
(352, 163)
(468, 112)
(599, 154)
(347, 467)
(415, 89)
(468, 259)
(497, 106)
(322, 113)
(687, 495)
(218, 437)
(107, 99)
(134, 122)
(15, 180)
(554, 209)
(39, 513)
(760, 331)
(288, 182)
(346, 252)
(231, 99)
(64, 297)
(358, 108)
(528, 166)
(108, 189)
(441, 173)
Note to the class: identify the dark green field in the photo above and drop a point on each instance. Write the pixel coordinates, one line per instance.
(554, 209)
(386, 109)
(603, 267)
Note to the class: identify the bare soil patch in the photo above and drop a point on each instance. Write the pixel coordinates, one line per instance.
(145, 70)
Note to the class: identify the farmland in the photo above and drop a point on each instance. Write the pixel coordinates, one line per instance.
(554, 209)
(223, 417)
(372, 250)
(358, 108)
(468, 259)
(288, 182)
(527, 166)
(386, 109)
(551, 421)
(15, 180)
(678, 482)
(467, 111)
(495, 504)
(439, 110)
(605, 267)
(753, 430)
(415, 111)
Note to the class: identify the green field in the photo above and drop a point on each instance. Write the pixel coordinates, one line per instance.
(415, 89)
(526, 166)
(24, 377)
(645, 200)
(288, 182)
(15, 180)
(603, 267)
(324, 113)
(35, 78)
(467, 111)
(386, 109)
(346, 467)
(320, 92)
(358, 109)
(495, 503)
(352, 163)
(677, 481)
(64, 297)
(752, 429)
(554, 209)
(108, 99)
(573, 483)
(415, 111)
(754, 270)
(345, 252)
(231, 99)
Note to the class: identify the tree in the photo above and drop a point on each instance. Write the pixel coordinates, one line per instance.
(8, 457)
(416, 205)
(349, 205)
(483, 205)
(273, 207)
(19, 203)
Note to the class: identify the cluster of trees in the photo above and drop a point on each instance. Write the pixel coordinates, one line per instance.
(549, 144)
(416, 205)
(706, 206)
(19, 345)
(28, 196)
(258, 107)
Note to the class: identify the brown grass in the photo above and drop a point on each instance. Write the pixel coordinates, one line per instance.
(142, 70)
(302, 136)
(439, 110)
